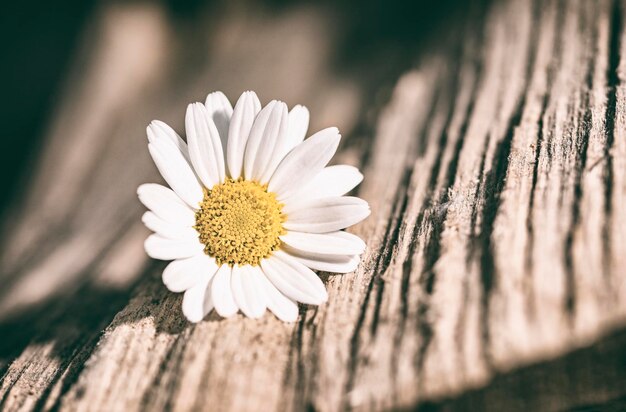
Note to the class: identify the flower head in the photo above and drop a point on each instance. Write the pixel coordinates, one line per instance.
(252, 210)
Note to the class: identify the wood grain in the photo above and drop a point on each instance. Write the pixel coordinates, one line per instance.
(495, 271)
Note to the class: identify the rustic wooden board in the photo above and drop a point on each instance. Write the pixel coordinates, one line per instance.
(495, 275)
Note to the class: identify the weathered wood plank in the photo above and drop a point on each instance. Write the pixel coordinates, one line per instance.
(496, 174)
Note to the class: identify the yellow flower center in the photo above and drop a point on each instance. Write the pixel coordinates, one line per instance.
(239, 222)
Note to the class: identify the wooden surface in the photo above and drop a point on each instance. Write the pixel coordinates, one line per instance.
(495, 167)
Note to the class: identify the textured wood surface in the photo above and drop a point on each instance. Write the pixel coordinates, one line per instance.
(495, 274)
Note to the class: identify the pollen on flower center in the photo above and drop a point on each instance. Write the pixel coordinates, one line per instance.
(239, 222)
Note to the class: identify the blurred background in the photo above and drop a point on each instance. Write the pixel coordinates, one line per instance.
(357, 45)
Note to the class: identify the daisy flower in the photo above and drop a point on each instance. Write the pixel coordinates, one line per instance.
(252, 208)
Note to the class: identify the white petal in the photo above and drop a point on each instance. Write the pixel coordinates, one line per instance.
(166, 229)
(221, 292)
(325, 215)
(334, 243)
(248, 290)
(284, 308)
(293, 279)
(205, 147)
(329, 182)
(298, 125)
(246, 110)
(326, 263)
(166, 204)
(304, 162)
(160, 130)
(268, 138)
(176, 171)
(182, 274)
(220, 110)
(197, 301)
(158, 247)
